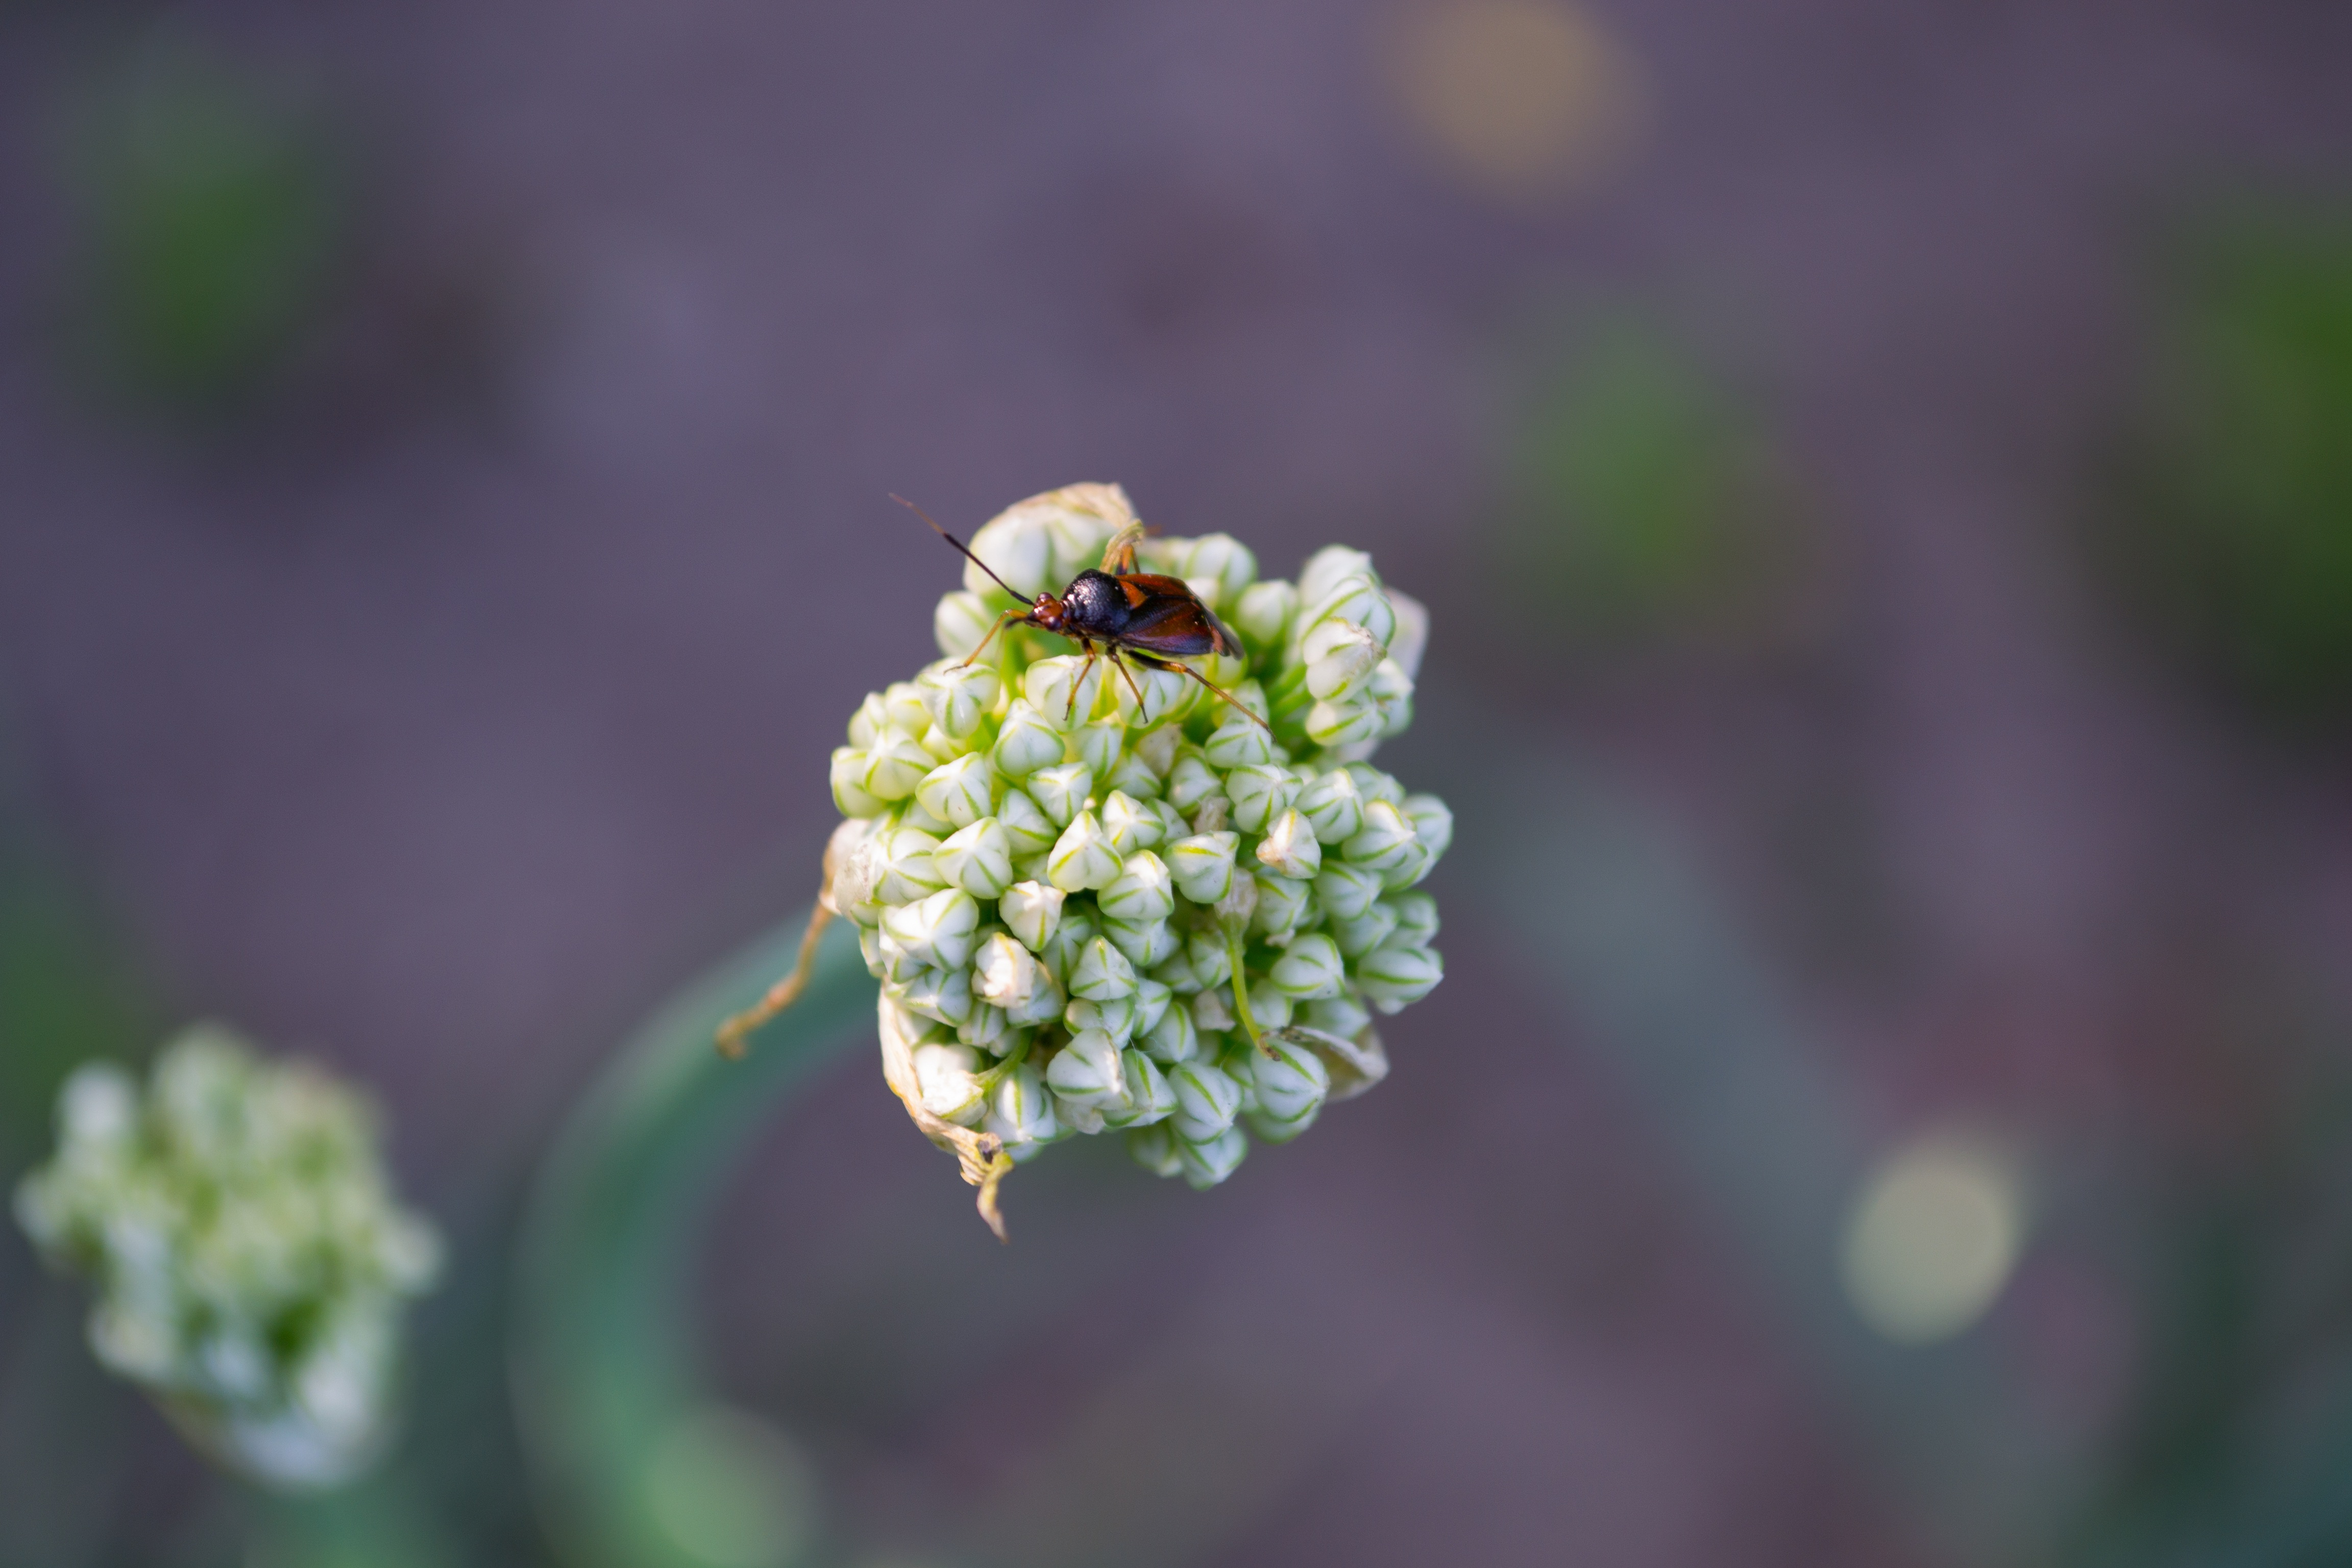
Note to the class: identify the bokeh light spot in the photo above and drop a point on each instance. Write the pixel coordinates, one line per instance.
(1934, 1236)
(731, 1490)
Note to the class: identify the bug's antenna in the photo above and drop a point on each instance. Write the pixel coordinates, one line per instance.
(960, 544)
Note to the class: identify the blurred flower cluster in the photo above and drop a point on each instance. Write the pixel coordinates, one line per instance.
(1104, 897)
(250, 1260)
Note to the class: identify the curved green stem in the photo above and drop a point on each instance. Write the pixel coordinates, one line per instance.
(603, 1375)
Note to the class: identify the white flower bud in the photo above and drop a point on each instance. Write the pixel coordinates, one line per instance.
(1260, 793)
(1433, 823)
(1206, 1164)
(1202, 865)
(1157, 1149)
(1115, 1016)
(1032, 910)
(1132, 824)
(1021, 1112)
(1225, 564)
(1212, 964)
(1334, 806)
(1239, 902)
(1100, 973)
(1005, 974)
(1045, 1005)
(1207, 1100)
(1345, 891)
(1340, 1015)
(1018, 546)
(1142, 891)
(1371, 929)
(1328, 568)
(989, 1029)
(1133, 777)
(1390, 690)
(1357, 599)
(1339, 655)
(1374, 784)
(1412, 635)
(959, 793)
(1268, 1008)
(1171, 1038)
(1061, 793)
(936, 932)
(1212, 1012)
(1263, 613)
(1069, 939)
(1025, 742)
(1281, 904)
(1348, 721)
(1145, 943)
(1240, 741)
(978, 859)
(1190, 781)
(1082, 857)
(868, 721)
(941, 994)
(1165, 694)
(894, 765)
(947, 1078)
(1151, 1001)
(1157, 750)
(960, 623)
(1393, 977)
(1100, 745)
(1310, 969)
(1288, 1084)
(1088, 1073)
(905, 866)
(1289, 848)
(958, 695)
(1175, 971)
(903, 709)
(1386, 841)
(850, 766)
(1416, 920)
(1150, 1096)
(1066, 689)
(1025, 824)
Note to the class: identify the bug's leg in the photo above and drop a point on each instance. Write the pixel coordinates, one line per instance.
(1080, 683)
(1007, 616)
(1120, 665)
(1223, 695)
(1119, 556)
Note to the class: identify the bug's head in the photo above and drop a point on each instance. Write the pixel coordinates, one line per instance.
(1047, 612)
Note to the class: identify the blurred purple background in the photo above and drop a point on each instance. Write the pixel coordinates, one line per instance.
(435, 675)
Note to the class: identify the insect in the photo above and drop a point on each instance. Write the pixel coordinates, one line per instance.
(1153, 620)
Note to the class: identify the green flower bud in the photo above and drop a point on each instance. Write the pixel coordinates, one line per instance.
(1219, 568)
(1032, 910)
(1021, 1111)
(1281, 904)
(1066, 689)
(850, 766)
(1131, 777)
(1263, 612)
(1206, 1164)
(936, 932)
(1288, 1084)
(1393, 977)
(1132, 824)
(1288, 848)
(1175, 971)
(1358, 599)
(1156, 697)
(1390, 690)
(1171, 1038)
(1157, 1149)
(989, 1029)
(1202, 865)
(1348, 721)
(1017, 546)
(1328, 568)
(1143, 891)
(1374, 784)
(1025, 824)
(1259, 792)
(1368, 931)
(1309, 968)
(1339, 656)
(1100, 973)
(1087, 1074)
(1005, 974)
(957, 697)
(1100, 745)
(1077, 928)
(959, 623)
(1115, 1016)
(1333, 806)
(1151, 1001)
(905, 866)
(894, 765)
(1268, 1008)
(1386, 841)
(1150, 1096)
(1238, 742)
(1144, 943)
(1206, 954)
(941, 994)
(1190, 781)
(1416, 919)
(949, 1079)
(1045, 1005)
(1061, 793)
(1083, 859)
(1025, 742)
(1345, 891)
(978, 859)
(1207, 1100)
(1433, 823)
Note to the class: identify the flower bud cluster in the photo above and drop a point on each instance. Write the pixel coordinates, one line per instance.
(1056, 868)
(250, 1260)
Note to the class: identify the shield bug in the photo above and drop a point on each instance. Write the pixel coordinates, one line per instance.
(1155, 621)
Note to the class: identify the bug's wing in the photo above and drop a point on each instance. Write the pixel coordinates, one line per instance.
(1177, 625)
(1142, 587)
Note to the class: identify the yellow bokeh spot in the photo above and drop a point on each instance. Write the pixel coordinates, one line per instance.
(1520, 99)
(1934, 1235)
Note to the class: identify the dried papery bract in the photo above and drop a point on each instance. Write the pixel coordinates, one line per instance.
(1165, 906)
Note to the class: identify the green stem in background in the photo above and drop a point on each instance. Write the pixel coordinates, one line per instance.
(635, 1467)
(1241, 989)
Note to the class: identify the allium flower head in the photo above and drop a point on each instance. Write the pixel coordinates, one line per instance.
(1100, 897)
(250, 1260)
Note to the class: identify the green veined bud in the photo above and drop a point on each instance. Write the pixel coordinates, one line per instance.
(959, 793)
(990, 1029)
(936, 932)
(944, 994)
(1339, 655)
(1004, 974)
(1143, 891)
(1025, 742)
(947, 1078)
(1151, 1000)
(1066, 689)
(868, 721)
(1133, 776)
(1088, 1073)
(1358, 599)
(1433, 823)
(1101, 971)
(894, 765)
(1390, 690)
(1348, 721)
(1219, 568)
(1017, 546)
(1365, 932)
(1269, 1007)
(960, 623)
(1281, 904)
(1207, 1100)
(1310, 969)
(1164, 694)
(978, 859)
(1340, 1015)
(1172, 1038)
(1386, 841)
(1144, 943)
(850, 766)
(1026, 823)
(1100, 745)
(1190, 781)
(1416, 919)
(1061, 792)
(1045, 1005)
(1032, 910)
(1021, 1112)
(1239, 740)
(1374, 784)
(1157, 1149)
(1206, 955)
(1260, 793)
(1391, 977)
(1289, 1085)
(958, 695)
(1132, 824)
(1345, 891)
(1263, 612)
(1328, 568)
(1157, 750)
(1289, 849)
(1115, 1017)
(905, 867)
(1333, 806)
(1077, 928)
(1202, 865)
(1150, 1096)
(1206, 1164)
(1083, 859)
